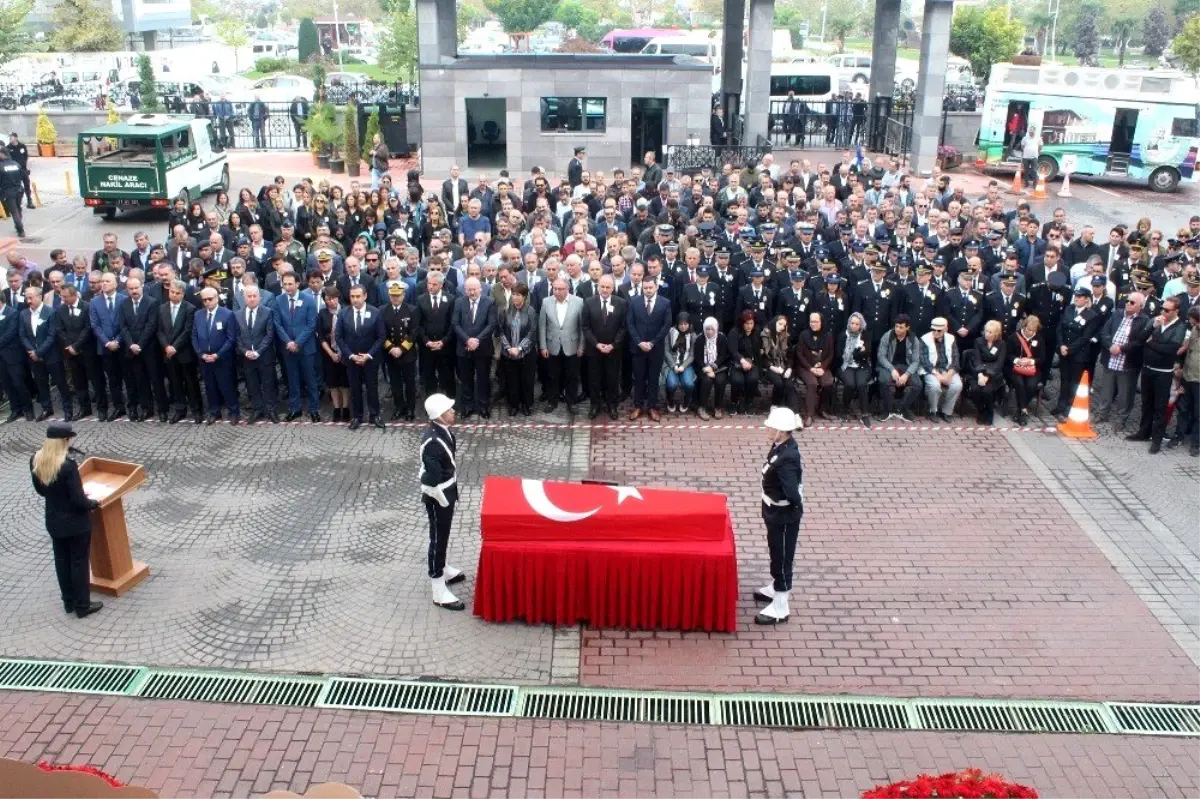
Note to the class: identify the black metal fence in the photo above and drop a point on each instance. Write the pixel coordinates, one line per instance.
(881, 125)
(279, 130)
(691, 158)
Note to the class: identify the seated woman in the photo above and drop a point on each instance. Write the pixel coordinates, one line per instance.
(712, 362)
(814, 362)
(677, 365)
(743, 352)
(985, 362)
(853, 357)
(1026, 366)
(776, 359)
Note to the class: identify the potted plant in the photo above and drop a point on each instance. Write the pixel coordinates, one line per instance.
(350, 136)
(46, 135)
(971, 782)
(948, 157)
(322, 131)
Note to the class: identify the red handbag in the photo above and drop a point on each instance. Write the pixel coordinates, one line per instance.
(1028, 370)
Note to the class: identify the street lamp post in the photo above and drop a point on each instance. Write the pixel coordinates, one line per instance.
(824, 14)
(337, 34)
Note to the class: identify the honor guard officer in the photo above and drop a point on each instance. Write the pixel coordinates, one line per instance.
(705, 297)
(11, 182)
(793, 303)
(439, 489)
(755, 298)
(20, 153)
(782, 509)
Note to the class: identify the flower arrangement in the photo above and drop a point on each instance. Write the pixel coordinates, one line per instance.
(946, 151)
(95, 772)
(969, 784)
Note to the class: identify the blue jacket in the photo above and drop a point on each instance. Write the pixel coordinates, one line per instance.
(1028, 253)
(217, 338)
(45, 343)
(651, 327)
(106, 325)
(368, 339)
(299, 326)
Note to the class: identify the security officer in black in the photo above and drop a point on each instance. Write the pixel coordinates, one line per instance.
(963, 308)
(20, 153)
(439, 490)
(12, 178)
(1005, 305)
(794, 302)
(1080, 323)
(755, 298)
(877, 299)
(705, 298)
(921, 301)
(1047, 301)
(782, 509)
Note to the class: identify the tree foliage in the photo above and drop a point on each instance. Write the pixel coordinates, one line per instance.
(985, 36)
(147, 86)
(581, 18)
(1121, 30)
(1186, 46)
(398, 45)
(372, 130)
(13, 40)
(350, 132)
(522, 16)
(1156, 31)
(85, 26)
(231, 32)
(1087, 33)
(308, 44)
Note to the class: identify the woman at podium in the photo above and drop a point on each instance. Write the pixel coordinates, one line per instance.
(68, 519)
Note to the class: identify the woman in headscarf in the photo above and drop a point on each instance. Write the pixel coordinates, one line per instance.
(68, 520)
(853, 359)
(711, 360)
(814, 360)
(677, 366)
(776, 358)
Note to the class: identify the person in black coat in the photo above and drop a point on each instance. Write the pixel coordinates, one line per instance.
(360, 333)
(744, 344)
(712, 362)
(68, 521)
(1027, 364)
(176, 318)
(517, 328)
(604, 329)
(144, 386)
(985, 363)
(400, 351)
(782, 510)
(1080, 323)
(75, 338)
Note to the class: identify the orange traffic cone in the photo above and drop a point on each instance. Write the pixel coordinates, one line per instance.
(1039, 191)
(1077, 424)
(1018, 184)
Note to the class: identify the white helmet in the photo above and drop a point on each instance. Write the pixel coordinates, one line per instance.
(783, 419)
(437, 404)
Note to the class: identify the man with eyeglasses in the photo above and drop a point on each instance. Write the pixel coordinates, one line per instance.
(214, 334)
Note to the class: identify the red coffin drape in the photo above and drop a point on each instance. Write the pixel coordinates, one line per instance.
(645, 559)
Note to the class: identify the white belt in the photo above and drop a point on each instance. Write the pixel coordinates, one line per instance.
(777, 503)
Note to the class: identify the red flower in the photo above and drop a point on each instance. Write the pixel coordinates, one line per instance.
(113, 781)
(968, 784)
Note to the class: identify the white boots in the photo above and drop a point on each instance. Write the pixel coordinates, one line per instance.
(776, 612)
(766, 593)
(453, 575)
(443, 597)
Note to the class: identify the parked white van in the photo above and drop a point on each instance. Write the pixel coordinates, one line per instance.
(697, 45)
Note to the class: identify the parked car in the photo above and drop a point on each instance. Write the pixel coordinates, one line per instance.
(281, 88)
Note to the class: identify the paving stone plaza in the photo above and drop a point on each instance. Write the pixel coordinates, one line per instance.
(996, 563)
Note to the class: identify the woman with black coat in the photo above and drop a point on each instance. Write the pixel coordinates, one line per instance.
(68, 520)
(986, 364)
(852, 358)
(743, 351)
(518, 329)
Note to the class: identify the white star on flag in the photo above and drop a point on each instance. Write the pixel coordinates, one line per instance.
(625, 492)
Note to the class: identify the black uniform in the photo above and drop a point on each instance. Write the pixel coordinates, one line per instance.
(783, 507)
(12, 178)
(69, 523)
(20, 153)
(400, 330)
(1075, 332)
(438, 473)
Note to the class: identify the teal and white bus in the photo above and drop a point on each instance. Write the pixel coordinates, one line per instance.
(1134, 123)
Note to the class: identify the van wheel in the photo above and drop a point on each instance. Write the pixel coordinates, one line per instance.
(1047, 168)
(109, 214)
(1164, 179)
(224, 184)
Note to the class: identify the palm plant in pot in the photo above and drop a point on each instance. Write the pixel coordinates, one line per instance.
(323, 132)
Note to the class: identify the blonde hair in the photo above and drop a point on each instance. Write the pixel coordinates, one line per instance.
(994, 328)
(48, 461)
(1033, 322)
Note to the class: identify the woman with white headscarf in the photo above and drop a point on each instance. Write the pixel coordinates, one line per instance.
(711, 360)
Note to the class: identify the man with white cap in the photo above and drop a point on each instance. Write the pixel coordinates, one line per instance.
(782, 509)
(439, 489)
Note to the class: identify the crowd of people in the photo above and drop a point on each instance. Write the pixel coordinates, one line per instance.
(857, 290)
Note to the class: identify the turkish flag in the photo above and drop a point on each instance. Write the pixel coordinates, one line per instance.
(515, 509)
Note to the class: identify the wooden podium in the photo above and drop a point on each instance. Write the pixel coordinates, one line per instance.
(114, 571)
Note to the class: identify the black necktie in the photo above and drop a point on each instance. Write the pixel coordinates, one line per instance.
(357, 321)
(251, 320)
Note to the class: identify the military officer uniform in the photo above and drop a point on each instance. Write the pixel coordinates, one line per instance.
(757, 299)
(439, 490)
(876, 299)
(782, 510)
(1008, 310)
(921, 303)
(704, 298)
(1075, 332)
(794, 303)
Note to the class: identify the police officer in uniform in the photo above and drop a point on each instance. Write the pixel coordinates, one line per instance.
(439, 490)
(12, 178)
(20, 153)
(782, 509)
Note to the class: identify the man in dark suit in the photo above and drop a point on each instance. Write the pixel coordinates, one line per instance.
(1080, 323)
(1115, 251)
(180, 250)
(139, 256)
(214, 333)
(104, 317)
(435, 335)
(575, 168)
(295, 333)
(175, 321)
(648, 321)
(474, 323)
(1005, 306)
(12, 362)
(360, 335)
(79, 354)
(453, 190)
(38, 335)
(143, 372)
(256, 346)
(603, 335)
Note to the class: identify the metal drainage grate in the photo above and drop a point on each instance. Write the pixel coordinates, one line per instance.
(985, 715)
(85, 678)
(1133, 717)
(419, 697)
(193, 686)
(815, 712)
(604, 705)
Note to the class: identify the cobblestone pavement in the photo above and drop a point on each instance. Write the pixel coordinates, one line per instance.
(291, 548)
(182, 749)
(934, 563)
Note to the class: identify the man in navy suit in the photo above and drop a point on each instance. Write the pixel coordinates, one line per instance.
(38, 332)
(474, 323)
(359, 334)
(214, 332)
(12, 361)
(256, 345)
(649, 319)
(104, 315)
(295, 328)
(142, 367)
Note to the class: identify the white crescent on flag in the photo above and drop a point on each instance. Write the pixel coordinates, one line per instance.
(535, 495)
